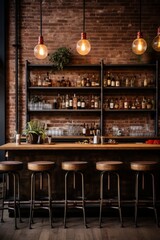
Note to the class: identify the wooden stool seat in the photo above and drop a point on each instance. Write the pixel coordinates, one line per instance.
(74, 166)
(40, 166)
(144, 165)
(108, 165)
(9, 166)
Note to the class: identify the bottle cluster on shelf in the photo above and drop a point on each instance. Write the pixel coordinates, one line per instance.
(65, 102)
(124, 80)
(129, 103)
(80, 80)
(136, 130)
(75, 129)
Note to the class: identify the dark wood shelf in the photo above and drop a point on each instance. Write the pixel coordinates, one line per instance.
(65, 110)
(130, 110)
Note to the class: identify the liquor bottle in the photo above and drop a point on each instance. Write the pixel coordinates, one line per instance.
(93, 81)
(67, 101)
(116, 104)
(88, 82)
(117, 82)
(108, 80)
(63, 102)
(59, 102)
(113, 83)
(83, 104)
(105, 81)
(48, 80)
(78, 103)
(149, 103)
(125, 103)
(127, 82)
(133, 106)
(132, 81)
(74, 101)
(84, 129)
(111, 103)
(91, 130)
(54, 103)
(83, 82)
(96, 103)
(79, 81)
(145, 82)
(121, 103)
(92, 102)
(70, 102)
(39, 82)
(143, 103)
(87, 130)
(98, 132)
(137, 103)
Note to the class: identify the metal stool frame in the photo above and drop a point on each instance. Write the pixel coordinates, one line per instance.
(137, 182)
(16, 194)
(102, 193)
(74, 187)
(33, 200)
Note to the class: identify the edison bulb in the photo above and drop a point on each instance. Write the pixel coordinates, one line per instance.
(40, 50)
(156, 41)
(83, 45)
(139, 45)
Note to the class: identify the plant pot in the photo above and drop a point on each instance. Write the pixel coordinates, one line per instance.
(33, 138)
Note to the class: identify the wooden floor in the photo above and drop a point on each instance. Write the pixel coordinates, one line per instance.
(111, 230)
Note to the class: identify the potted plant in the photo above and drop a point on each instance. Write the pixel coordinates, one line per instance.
(60, 57)
(35, 131)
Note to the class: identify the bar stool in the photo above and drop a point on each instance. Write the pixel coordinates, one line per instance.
(76, 168)
(143, 168)
(109, 167)
(40, 169)
(10, 169)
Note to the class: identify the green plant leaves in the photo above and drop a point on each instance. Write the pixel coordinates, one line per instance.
(60, 57)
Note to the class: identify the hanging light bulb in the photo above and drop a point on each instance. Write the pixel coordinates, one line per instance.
(40, 50)
(156, 41)
(139, 45)
(83, 45)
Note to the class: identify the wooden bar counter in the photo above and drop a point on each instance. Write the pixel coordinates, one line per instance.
(58, 152)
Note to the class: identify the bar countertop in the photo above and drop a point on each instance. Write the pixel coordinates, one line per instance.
(80, 146)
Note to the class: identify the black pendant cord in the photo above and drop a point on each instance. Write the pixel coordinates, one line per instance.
(84, 16)
(40, 17)
(16, 45)
(140, 13)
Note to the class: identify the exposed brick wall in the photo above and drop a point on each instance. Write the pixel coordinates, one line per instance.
(111, 27)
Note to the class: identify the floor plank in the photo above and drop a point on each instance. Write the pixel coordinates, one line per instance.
(75, 230)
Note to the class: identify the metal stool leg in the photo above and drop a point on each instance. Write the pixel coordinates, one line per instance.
(154, 199)
(49, 198)
(101, 198)
(32, 199)
(136, 196)
(3, 196)
(66, 197)
(83, 200)
(119, 199)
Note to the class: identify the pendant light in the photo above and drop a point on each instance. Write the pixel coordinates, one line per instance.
(156, 41)
(83, 45)
(139, 45)
(40, 50)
